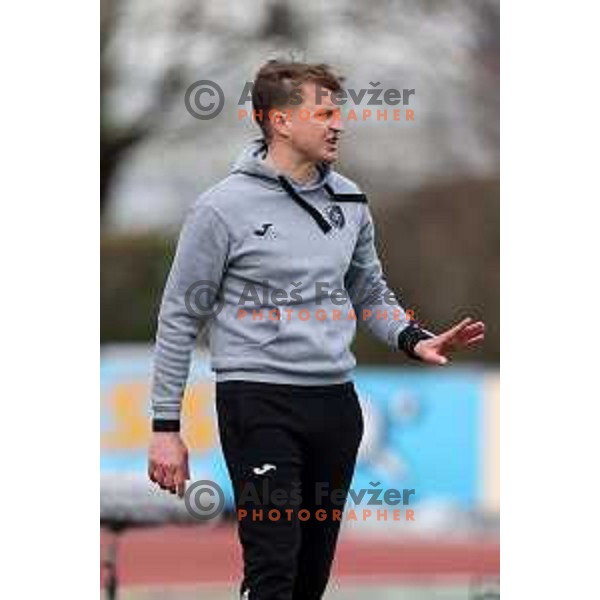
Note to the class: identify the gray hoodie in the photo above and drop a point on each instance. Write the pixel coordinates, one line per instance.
(301, 257)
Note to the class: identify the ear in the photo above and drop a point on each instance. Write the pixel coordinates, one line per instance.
(281, 122)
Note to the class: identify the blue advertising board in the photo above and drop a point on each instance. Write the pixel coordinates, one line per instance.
(422, 426)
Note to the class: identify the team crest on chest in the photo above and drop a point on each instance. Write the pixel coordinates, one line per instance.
(335, 215)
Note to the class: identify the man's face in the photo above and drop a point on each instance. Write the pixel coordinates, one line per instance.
(316, 125)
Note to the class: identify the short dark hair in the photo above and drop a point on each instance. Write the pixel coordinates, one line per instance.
(275, 80)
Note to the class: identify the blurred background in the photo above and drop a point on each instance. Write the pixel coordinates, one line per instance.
(433, 187)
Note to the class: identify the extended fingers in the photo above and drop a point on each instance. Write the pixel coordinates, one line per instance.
(474, 329)
(456, 330)
(475, 340)
(471, 332)
(464, 331)
(467, 333)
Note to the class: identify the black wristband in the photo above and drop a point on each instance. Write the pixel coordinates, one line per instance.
(165, 425)
(409, 337)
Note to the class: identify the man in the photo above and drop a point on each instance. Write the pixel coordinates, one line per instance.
(281, 242)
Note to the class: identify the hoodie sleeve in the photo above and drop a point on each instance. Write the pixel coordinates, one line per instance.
(189, 300)
(376, 306)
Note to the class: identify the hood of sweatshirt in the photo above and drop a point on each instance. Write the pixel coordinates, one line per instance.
(251, 162)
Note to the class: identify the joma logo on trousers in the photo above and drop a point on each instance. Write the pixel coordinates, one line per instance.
(264, 469)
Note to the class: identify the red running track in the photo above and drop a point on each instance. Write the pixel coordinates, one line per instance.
(192, 555)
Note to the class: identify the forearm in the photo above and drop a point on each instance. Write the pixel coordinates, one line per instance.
(377, 307)
(382, 316)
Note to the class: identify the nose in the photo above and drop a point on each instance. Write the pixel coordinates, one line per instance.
(337, 123)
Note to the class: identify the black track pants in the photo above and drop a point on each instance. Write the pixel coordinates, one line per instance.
(287, 448)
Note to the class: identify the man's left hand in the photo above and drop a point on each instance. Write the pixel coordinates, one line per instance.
(435, 350)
